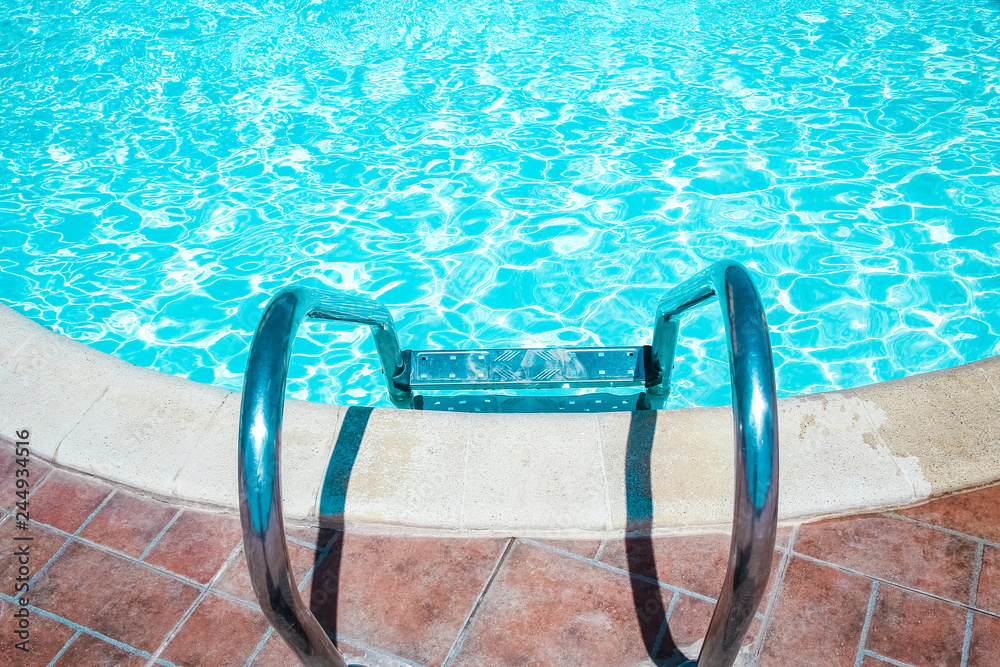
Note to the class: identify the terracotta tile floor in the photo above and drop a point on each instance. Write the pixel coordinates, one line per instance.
(117, 579)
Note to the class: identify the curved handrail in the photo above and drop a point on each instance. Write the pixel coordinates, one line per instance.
(755, 426)
(260, 449)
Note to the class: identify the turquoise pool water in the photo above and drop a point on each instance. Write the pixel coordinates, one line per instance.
(505, 173)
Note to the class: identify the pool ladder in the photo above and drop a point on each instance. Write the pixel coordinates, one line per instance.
(755, 427)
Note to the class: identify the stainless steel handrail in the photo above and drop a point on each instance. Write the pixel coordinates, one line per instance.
(755, 426)
(260, 449)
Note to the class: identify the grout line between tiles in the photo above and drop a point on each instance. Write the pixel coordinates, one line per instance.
(967, 640)
(977, 568)
(600, 550)
(973, 592)
(673, 603)
(321, 555)
(942, 529)
(301, 542)
(860, 656)
(891, 661)
(65, 647)
(463, 632)
(779, 583)
(260, 646)
(194, 605)
(159, 535)
(664, 627)
(90, 518)
(247, 604)
(45, 478)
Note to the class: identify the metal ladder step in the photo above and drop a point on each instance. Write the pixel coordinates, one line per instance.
(500, 403)
(529, 368)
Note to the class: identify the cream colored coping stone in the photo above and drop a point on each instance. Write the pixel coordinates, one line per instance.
(880, 446)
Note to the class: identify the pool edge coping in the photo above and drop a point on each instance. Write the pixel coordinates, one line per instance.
(877, 447)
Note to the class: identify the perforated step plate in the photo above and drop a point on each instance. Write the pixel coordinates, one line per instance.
(528, 368)
(501, 403)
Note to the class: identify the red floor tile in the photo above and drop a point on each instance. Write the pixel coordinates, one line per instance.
(118, 598)
(235, 580)
(128, 523)
(46, 637)
(988, 594)
(197, 544)
(408, 596)
(818, 618)
(973, 513)
(584, 548)
(93, 652)
(984, 648)
(65, 501)
(548, 609)
(44, 543)
(9, 467)
(898, 551)
(219, 633)
(916, 629)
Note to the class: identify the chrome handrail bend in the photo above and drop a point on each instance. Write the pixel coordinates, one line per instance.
(260, 450)
(755, 426)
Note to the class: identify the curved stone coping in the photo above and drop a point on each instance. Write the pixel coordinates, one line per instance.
(885, 445)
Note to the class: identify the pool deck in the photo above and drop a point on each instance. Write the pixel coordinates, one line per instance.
(120, 579)
(597, 476)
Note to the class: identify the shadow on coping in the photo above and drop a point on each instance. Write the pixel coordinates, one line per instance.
(647, 595)
(326, 577)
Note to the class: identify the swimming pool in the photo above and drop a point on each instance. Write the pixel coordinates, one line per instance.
(504, 173)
